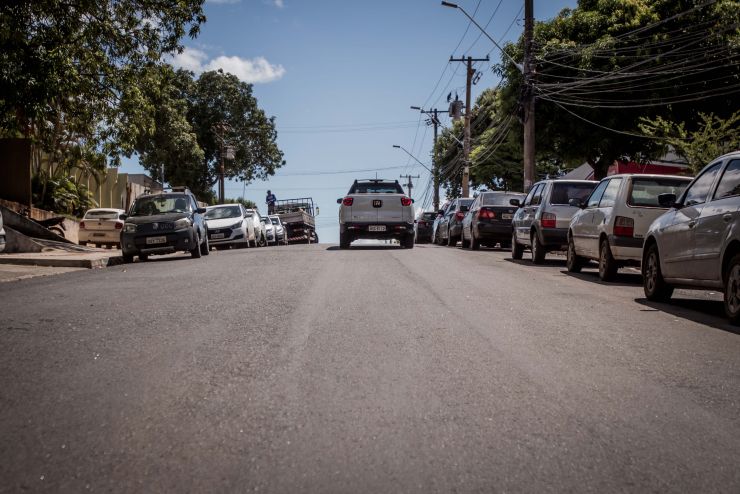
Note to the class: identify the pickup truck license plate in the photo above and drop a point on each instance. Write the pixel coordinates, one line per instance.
(217, 235)
(98, 234)
(505, 216)
(156, 240)
(376, 228)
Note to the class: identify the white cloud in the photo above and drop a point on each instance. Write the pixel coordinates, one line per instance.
(256, 70)
(279, 3)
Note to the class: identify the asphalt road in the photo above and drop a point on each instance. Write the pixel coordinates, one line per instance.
(310, 369)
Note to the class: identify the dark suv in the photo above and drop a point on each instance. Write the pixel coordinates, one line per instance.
(164, 223)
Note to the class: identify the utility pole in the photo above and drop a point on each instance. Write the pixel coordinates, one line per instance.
(410, 185)
(528, 97)
(466, 139)
(435, 165)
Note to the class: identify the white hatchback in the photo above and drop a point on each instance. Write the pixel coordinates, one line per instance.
(102, 227)
(611, 225)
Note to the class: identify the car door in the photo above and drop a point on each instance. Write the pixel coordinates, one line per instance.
(715, 223)
(444, 222)
(530, 214)
(467, 226)
(677, 238)
(520, 216)
(602, 214)
(585, 231)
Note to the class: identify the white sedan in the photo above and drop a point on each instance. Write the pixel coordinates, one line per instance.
(229, 224)
(102, 227)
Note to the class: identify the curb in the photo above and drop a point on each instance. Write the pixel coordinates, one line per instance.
(64, 263)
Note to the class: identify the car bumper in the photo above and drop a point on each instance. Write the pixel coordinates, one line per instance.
(455, 229)
(391, 230)
(554, 238)
(626, 248)
(229, 236)
(99, 237)
(179, 240)
(493, 231)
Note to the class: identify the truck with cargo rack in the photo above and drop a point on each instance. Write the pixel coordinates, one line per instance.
(298, 218)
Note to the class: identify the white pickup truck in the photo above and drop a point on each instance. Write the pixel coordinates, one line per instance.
(376, 209)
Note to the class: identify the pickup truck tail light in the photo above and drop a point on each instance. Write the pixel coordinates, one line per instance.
(548, 220)
(624, 227)
(459, 216)
(82, 225)
(348, 201)
(486, 214)
(406, 201)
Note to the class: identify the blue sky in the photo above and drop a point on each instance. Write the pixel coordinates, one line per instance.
(339, 76)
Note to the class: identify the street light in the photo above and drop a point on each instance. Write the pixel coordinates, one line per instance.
(456, 6)
(405, 151)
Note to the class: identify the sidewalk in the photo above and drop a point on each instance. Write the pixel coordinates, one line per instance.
(64, 259)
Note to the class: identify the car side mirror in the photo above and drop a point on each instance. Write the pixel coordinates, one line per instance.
(339, 201)
(575, 202)
(667, 200)
(201, 210)
(515, 202)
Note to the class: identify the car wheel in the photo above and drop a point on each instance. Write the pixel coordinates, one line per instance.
(128, 258)
(517, 249)
(573, 262)
(205, 247)
(538, 250)
(656, 289)
(408, 242)
(463, 243)
(474, 242)
(195, 253)
(451, 242)
(143, 257)
(607, 264)
(344, 240)
(732, 290)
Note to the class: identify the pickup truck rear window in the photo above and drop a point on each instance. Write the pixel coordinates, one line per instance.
(376, 188)
(645, 191)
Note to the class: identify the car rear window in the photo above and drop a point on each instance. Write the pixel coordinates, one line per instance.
(428, 216)
(645, 191)
(562, 193)
(376, 188)
(500, 199)
(102, 215)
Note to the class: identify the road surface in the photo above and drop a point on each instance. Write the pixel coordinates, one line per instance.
(312, 369)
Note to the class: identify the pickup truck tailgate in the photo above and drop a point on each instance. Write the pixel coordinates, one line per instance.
(381, 208)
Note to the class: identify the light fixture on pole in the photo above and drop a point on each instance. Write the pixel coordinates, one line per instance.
(414, 157)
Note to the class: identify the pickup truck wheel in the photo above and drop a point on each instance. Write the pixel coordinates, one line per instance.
(408, 241)
(517, 250)
(607, 263)
(732, 290)
(344, 240)
(655, 287)
(538, 250)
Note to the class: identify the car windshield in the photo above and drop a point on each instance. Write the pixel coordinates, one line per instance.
(645, 191)
(500, 199)
(151, 205)
(275, 221)
(563, 192)
(101, 215)
(376, 188)
(219, 213)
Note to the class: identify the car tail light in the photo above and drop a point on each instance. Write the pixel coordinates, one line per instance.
(82, 225)
(486, 214)
(119, 225)
(624, 227)
(548, 220)
(422, 223)
(348, 201)
(406, 201)
(459, 216)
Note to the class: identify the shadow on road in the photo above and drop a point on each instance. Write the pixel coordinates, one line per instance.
(622, 279)
(549, 262)
(166, 258)
(702, 311)
(368, 247)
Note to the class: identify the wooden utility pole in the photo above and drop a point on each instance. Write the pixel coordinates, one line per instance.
(528, 97)
(410, 185)
(434, 118)
(466, 140)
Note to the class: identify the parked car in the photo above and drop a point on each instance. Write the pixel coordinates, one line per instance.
(449, 228)
(282, 238)
(488, 221)
(438, 220)
(260, 235)
(696, 243)
(423, 227)
(376, 209)
(2, 234)
(102, 227)
(229, 226)
(164, 223)
(541, 222)
(612, 223)
(270, 231)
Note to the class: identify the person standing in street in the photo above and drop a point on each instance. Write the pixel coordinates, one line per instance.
(270, 202)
